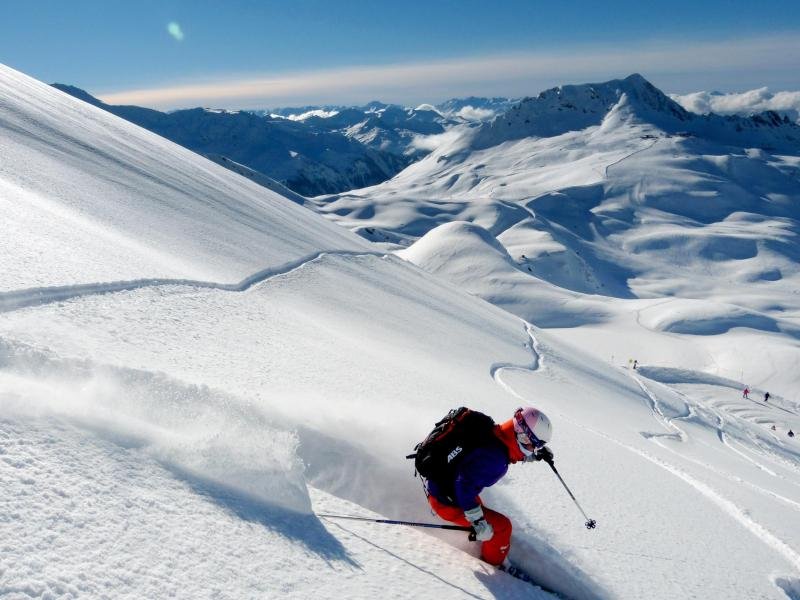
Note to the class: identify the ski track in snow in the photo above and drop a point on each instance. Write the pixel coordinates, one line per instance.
(351, 531)
(497, 369)
(659, 414)
(726, 505)
(721, 501)
(741, 515)
(14, 300)
(624, 158)
(726, 440)
(763, 405)
(537, 364)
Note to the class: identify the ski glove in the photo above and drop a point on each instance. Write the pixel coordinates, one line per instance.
(544, 453)
(483, 529)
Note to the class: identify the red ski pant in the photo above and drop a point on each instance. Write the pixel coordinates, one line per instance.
(493, 551)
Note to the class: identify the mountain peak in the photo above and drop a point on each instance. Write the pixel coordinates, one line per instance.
(575, 107)
(637, 79)
(641, 96)
(647, 96)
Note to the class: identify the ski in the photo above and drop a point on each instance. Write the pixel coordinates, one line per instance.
(522, 575)
(516, 572)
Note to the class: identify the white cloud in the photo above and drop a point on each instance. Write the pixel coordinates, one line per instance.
(513, 75)
(743, 103)
(470, 113)
(325, 114)
(427, 107)
(429, 143)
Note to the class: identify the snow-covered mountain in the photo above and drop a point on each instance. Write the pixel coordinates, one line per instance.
(387, 127)
(607, 192)
(402, 131)
(308, 160)
(471, 108)
(193, 369)
(597, 184)
(311, 150)
(633, 100)
(410, 132)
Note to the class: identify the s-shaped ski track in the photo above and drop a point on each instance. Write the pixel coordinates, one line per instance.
(16, 299)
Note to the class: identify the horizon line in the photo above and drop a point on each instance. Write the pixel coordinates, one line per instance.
(359, 82)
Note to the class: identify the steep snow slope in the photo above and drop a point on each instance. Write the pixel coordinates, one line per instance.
(303, 353)
(175, 438)
(87, 197)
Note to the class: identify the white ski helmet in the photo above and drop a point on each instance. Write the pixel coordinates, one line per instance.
(533, 429)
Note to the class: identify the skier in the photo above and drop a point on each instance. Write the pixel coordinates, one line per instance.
(456, 499)
(746, 393)
(766, 397)
(791, 433)
(635, 362)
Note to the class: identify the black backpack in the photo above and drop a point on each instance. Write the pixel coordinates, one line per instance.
(437, 456)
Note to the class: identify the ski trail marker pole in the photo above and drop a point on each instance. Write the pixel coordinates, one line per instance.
(590, 523)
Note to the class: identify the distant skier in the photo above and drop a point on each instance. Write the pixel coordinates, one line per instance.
(766, 397)
(477, 453)
(791, 433)
(635, 363)
(773, 428)
(746, 393)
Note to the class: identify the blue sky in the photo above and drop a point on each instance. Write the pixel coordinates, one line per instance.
(262, 53)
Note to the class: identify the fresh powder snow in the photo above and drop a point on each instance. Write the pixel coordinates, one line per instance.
(193, 367)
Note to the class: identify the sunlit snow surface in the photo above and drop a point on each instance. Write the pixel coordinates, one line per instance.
(87, 198)
(174, 437)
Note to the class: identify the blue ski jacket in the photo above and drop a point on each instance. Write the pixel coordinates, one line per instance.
(480, 468)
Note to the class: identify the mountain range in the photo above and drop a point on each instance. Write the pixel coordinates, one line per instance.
(306, 159)
(312, 150)
(609, 214)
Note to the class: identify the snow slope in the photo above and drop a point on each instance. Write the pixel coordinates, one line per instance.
(180, 437)
(87, 197)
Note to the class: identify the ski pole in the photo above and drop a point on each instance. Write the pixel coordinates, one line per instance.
(393, 522)
(590, 523)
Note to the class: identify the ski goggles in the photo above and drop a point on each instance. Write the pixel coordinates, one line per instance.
(527, 438)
